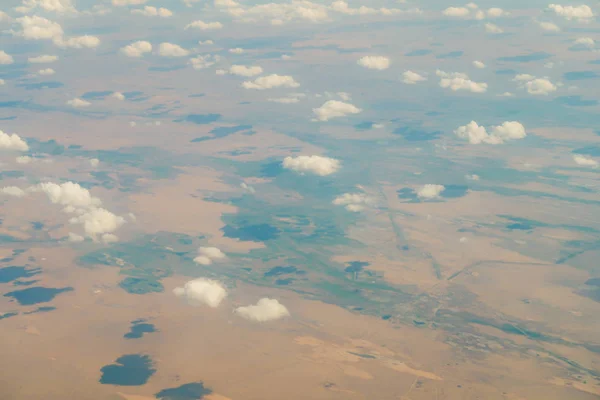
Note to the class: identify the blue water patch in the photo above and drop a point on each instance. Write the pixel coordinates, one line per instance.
(10, 104)
(356, 266)
(141, 285)
(9, 274)
(200, 119)
(576, 101)
(455, 191)
(452, 54)
(580, 75)
(188, 391)
(594, 62)
(35, 295)
(96, 95)
(537, 56)
(138, 329)
(135, 96)
(251, 232)
(223, 131)
(416, 134)
(593, 151)
(41, 85)
(128, 370)
(417, 53)
(8, 315)
(41, 310)
(364, 126)
(272, 169)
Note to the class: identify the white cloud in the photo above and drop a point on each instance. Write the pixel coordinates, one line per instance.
(137, 49)
(75, 238)
(237, 50)
(5, 59)
(478, 64)
(582, 13)
(316, 165)
(4, 16)
(265, 310)
(411, 78)
(46, 71)
(496, 12)
(150, 11)
(118, 96)
(207, 255)
(243, 70)
(12, 142)
(172, 50)
(204, 26)
(291, 98)
(38, 28)
(536, 86)
(276, 13)
(99, 221)
(68, 194)
(201, 62)
(335, 109)
(23, 160)
(549, 26)
(205, 42)
(585, 161)
(270, 82)
(461, 12)
(58, 6)
(202, 291)
(354, 202)
(475, 134)
(492, 28)
(472, 177)
(374, 62)
(78, 103)
(459, 81)
(120, 3)
(585, 42)
(2, 82)
(78, 42)
(43, 59)
(94, 162)
(430, 191)
(12, 191)
(342, 6)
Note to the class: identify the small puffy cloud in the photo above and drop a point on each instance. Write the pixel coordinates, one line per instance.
(97, 222)
(316, 165)
(43, 59)
(2, 82)
(94, 162)
(12, 191)
(265, 310)
(585, 161)
(430, 191)
(549, 26)
(585, 42)
(243, 70)
(493, 28)
(276, 12)
(150, 11)
(291, 98)
(5, 59)
(204, 26)
(411, 78)
(75, 238)
(236, 50)
(137, 49)
(335, 109)
(460, 12)
(342, 6)
(201, 62)
(478, 64)
(58, 6)
(581, 13)
(475, 134)
(472, 177)
(120, 3)
(12, 142)
(172, 50)
(523, 77)
(68, 194)
(23, 160)
(270, 82)
(118, 96)
(38, 28)
(78, 103)
(205, 42)
(78, 42)
(354, 202)
(46, 72)
(496, 12)
(535, 86)
(374, 62)
(459, 81)
(207, 255)
(202, 291)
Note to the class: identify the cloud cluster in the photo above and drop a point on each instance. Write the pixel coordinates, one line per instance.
(270, 82)
(202, 62)
(12, 142)
(58, 6)
(172, 50)
(137, 49)
(207, 255)
(150, 11)
(354, 202)
(343, 8)
(430, 191)
(475, 134)
(39, 28)
(202, 291)
(473, 11)
(243, 70)
(335, 109)
(581, 13)
(411, 78)
(459, 81)
(265, 309)
(374, 62)
(535, 86)
(316, 165)
(204, 26)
